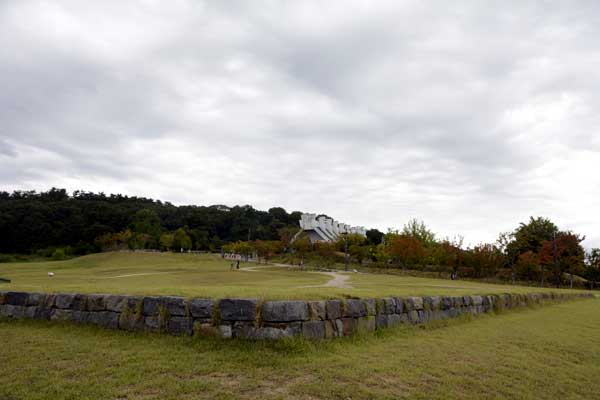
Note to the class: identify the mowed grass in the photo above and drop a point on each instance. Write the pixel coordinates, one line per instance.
(544, 353)
(207, 275)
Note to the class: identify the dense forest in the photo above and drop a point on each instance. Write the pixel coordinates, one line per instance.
(86, 222)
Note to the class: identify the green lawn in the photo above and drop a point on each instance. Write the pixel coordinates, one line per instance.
(545, 353)
(209, 276)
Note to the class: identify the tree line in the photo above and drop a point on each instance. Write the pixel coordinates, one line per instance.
(86, 222)
(536, 252)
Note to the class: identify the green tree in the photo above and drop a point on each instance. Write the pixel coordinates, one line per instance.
(419, 230)
(166, 241)
(181, 240)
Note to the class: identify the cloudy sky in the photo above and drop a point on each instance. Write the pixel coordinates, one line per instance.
(469, 115)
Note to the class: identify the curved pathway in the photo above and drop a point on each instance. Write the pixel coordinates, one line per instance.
(337, 280)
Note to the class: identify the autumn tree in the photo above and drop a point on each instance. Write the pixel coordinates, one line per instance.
(405, 249)
(563, 254)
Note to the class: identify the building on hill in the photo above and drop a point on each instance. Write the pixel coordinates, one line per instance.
(324, 229)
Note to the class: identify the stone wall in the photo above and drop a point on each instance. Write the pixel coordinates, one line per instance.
(254, 319)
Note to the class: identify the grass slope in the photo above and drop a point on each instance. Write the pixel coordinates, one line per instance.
(546, 353)
(208, 275)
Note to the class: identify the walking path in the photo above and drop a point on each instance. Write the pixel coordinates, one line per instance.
(337, 280)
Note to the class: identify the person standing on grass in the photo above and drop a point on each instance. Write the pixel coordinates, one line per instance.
(238, 264)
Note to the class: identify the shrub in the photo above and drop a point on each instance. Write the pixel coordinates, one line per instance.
(59, 254)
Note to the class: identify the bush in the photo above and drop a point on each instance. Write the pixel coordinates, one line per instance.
(59, 254)
(6, 258)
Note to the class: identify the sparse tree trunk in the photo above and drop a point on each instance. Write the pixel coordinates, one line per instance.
(571, 280)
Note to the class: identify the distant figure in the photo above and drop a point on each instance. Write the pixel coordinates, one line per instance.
(231, 266)
(238, 264)
(50, 274)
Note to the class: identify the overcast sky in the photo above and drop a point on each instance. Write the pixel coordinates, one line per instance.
(469, 115)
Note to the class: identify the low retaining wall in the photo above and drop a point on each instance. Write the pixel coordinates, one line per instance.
(254, 319)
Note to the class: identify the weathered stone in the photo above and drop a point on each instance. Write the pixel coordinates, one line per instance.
(175, 306)
(79, 302)
(180, 326)
(395, 319)
(35, 299)
(432, 302)
(338, 327)
(31, 312)
(354, 308)
(80, 317)
(106, 319)
(446, 303)
(413, 316)
(457, 301)
(48, 301)
(238, 309)
(151, 305)
(200, 308)
(16, 298)
(3, 297)
(382, 321)
(152, 323)
(243, 329)
(316, 310)
(415, 303)
(64, 301)
(115, 303)
(313, 329)
(59, 314)
(399, 305)
(333, 309)
(476, 300)
(388, 306)
(95, 302)
(366, 324)
(330, 330)
(206, 329)
(12, 311)
(466, 300)
(284, 311)
(371, 306)
(349, 326)
(131, 322)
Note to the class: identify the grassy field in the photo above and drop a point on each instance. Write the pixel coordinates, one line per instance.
(545, 353)
(209, 276)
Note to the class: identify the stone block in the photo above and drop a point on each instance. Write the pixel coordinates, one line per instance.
(3, 297)
(457, 301)
(371, 305)
(388, 305)
(413, 316)
(333, 309)
(317, 310)
(476, 300)
(446, 303)
(95, 302)
(131, 322)
(354, 308)
(59, 314)
(338, 327)
(200, 308)
(284, 311)
(466, 300)
(11, 311)
(431, 303)
(152, 323)
(35, 299)
(395, 319)
(64, 301)
(115, 303)
(80, 317)
(49, 301)
(415, 303)
(313, 329)
(151, 305)
(330, 331)
(399, 305)
(31, 312)
(105, 319)
(243, 329)
(180, 326)
(366, 324)
(238, 309)
(175, 306)
(16, 298)
(349, 326)
(382, 321)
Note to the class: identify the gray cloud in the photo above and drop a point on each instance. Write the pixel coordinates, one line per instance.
(472, 117)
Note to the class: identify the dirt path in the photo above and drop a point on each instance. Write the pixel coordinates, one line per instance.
(337, 280)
